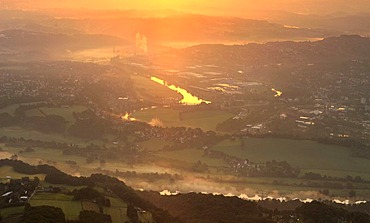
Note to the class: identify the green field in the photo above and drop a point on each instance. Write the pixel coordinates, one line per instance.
(308, 155)
(11, 108)
(151, 91)
(90, 206)
(19, 132)
(206, 120)
(190, 156)
(49, 154)
(65, 112)
(118, 210)
(70, 208)
(153, 144)
(118, 214)
(7, 212)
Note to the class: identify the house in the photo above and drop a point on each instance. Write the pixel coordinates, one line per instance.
(7, 194)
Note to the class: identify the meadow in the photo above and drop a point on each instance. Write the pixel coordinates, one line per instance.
(308, 155)
(167, 117)
(153, 145)
(7, 212)
(11, 108)
(152, 91)
(190, 156)
(66, 112)
(20, 132)
(71, 208)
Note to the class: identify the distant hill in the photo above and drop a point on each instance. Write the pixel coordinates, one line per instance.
(16, 38)
(171, 27)
(198, 28)
(342, 48)
(35, 45)
(358, 23)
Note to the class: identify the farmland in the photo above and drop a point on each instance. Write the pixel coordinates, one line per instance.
(166, 117)
(20, 132)
(308, 155)
(151, 91)
(7, 212)
(66, 112)
(72, 208)
(11, 108)
(154, 155)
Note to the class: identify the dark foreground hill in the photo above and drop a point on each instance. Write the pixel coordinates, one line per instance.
(190, 207)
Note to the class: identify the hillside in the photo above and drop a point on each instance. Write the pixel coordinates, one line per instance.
(190, 207)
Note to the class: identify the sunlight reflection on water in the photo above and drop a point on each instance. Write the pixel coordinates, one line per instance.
(188, 99)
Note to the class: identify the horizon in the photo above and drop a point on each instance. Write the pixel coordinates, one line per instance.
(236, 8)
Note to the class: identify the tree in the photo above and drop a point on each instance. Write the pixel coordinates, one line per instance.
(14, 157)
(94, 217)
(132, 213)
(45, 214)
(36, 180)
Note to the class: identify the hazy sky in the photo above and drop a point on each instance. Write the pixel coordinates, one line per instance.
(229, 7)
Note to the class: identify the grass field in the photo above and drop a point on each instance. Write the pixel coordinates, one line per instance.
(308, 155)
(206, 120)
(19, 132)
(152, 91)
(65, 112)
(45, 154)
(118, 210)
(190, 156)
(118, 214)
(7, 212)
(11, 108)
(49, 154)
(90, 206)
(153, 144)
(71, 209)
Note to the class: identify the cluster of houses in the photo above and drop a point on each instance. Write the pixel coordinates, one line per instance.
(17, 191)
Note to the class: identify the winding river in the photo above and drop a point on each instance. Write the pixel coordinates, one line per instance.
(187, 98)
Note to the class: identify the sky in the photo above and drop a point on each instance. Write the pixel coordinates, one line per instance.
(216, 7)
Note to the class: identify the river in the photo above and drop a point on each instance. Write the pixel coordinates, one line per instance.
(187, 98)
(278, 93)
